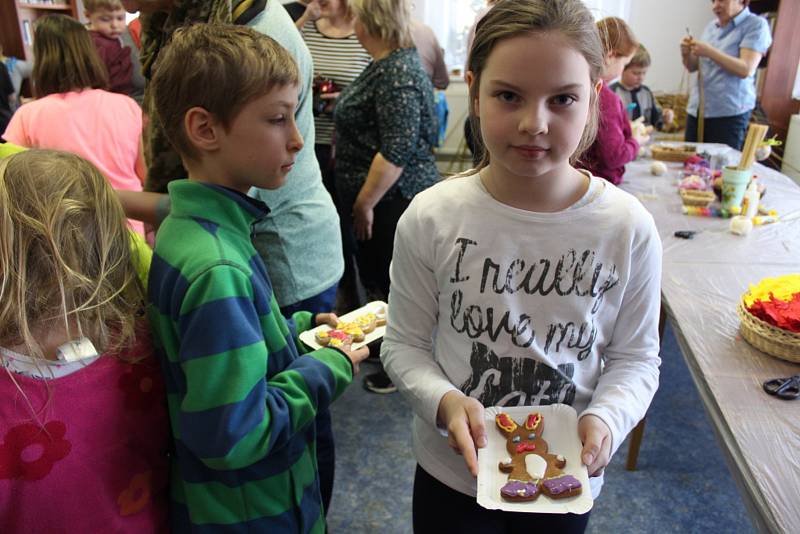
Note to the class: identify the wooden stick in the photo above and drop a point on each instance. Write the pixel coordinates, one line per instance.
(755, 135)
(701, 105)
(745, 149)
(748, 143)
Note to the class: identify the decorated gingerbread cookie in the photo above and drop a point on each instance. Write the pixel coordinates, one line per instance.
(336, 343)
(366, 322)
(323, 337)
(352, 330)
(335, 338)
(380, 316)
(524, 440)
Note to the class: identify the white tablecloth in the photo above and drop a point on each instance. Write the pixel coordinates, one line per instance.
(702, 283)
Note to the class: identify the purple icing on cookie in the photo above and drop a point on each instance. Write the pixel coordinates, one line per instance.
(556, 486)
(519, 489)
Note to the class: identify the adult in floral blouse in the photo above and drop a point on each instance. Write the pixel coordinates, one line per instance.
(385, 123)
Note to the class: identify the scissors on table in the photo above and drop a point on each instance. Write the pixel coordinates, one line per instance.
(784, 388)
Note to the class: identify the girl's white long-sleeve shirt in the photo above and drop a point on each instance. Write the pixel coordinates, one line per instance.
(513, 307)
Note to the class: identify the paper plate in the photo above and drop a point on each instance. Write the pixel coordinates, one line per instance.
(561, 435)
(308, 337)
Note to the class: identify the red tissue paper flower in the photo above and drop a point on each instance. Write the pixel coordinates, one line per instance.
(28, 451)
(779, 313)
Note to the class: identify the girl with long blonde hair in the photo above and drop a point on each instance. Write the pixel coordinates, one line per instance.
(78, 381)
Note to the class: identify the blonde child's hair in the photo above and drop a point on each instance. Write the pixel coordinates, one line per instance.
(66, 59)
(640, 59)
(92, 6)
(390, 20)
(219, 68)
(512, 18)
(617, 37)
(65, 255)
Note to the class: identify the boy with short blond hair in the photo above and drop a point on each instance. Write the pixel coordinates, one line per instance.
(242, 400)
(637, 98)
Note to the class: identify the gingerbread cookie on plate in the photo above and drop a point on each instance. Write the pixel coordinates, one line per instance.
(366, 322)
(521, 441)
(335, 338)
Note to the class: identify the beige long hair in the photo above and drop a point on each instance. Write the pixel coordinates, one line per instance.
(65, 256)
(510, 18)
(66, 59)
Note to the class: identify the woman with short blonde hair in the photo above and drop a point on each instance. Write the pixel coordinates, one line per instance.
(388, 19)
(386, 127)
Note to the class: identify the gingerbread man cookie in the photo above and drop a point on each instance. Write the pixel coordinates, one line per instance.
(366, 322)
(521, 441)
(380, 316)
(352, 330)
(334, 338)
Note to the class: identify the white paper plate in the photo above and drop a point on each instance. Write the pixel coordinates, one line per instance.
(561, 435)
(308, 337)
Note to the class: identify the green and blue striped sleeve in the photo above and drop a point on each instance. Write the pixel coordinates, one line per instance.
(230, 414)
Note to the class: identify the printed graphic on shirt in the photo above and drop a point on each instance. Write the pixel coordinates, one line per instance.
(517, 379)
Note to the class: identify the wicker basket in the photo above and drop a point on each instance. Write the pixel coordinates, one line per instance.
(693, 197)
(673, 153)
(678, 103)
(767, 338)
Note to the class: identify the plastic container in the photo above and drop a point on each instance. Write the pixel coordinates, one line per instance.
(752, 196)
(734, 185)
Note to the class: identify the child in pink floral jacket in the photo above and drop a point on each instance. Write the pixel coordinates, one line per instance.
(84, 432)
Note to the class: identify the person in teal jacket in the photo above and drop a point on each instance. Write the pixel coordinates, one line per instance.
(242, 396)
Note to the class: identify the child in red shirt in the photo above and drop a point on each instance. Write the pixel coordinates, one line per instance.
(615, 144)
(106, 27)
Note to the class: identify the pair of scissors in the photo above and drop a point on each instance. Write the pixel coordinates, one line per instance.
(784, 388)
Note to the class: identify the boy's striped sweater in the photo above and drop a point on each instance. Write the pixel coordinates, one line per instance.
(242, 401)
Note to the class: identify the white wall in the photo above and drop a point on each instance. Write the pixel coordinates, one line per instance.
(660, 26)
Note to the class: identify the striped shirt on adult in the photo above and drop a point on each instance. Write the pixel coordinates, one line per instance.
(339, 58)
